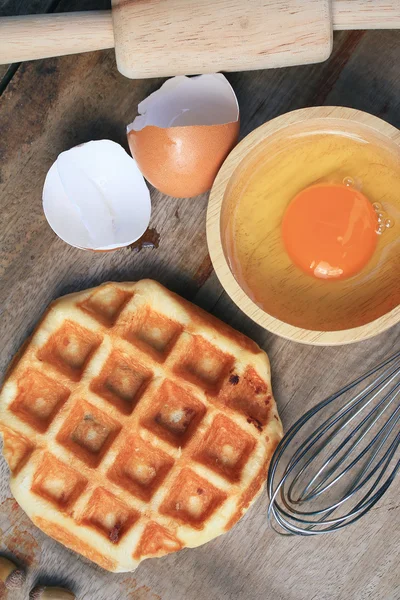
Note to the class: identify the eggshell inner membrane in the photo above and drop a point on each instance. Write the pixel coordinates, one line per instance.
(95, 197)
(184, 101)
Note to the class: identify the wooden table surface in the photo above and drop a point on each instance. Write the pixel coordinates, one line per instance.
(48, 106)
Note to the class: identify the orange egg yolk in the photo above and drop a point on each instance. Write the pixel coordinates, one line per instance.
(329, 231)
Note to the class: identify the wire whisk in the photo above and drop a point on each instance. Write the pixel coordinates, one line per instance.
(337, 461)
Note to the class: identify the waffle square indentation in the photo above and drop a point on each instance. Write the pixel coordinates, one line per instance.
(175, 414)
(192, 499)
(153, 332)
(247, 394)
(140, 468)
(204, 364)
(38, 399)
(109, 515)
(57, 482)
(122, 381)
(156, 541)
(225, 448)
(16, 449)
(69, 349)
(106, 304)
(88, 432)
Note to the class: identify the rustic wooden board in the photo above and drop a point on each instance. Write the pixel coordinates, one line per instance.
(51, 105)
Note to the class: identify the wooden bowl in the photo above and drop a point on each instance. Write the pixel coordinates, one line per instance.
(221, 201)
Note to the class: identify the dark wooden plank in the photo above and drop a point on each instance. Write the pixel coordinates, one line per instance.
(371, 78)
(10, 8)
(52, 105)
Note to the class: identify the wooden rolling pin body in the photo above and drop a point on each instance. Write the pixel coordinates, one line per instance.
(171, 37)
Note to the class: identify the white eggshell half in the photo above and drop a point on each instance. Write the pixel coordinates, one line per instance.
(95, 197)
(184, 101)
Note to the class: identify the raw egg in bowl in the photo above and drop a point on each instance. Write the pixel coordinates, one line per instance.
(303, 225)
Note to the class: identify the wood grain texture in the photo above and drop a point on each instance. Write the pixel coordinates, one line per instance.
(365, 14)
(228, 35)
(143, 32)
(340, 119)
(16, 8)
(50, 106)
(42, 36)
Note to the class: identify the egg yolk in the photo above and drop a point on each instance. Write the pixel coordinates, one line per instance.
(329, 231)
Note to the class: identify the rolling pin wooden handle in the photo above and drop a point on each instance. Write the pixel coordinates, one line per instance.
(43, 36)
(366, 14)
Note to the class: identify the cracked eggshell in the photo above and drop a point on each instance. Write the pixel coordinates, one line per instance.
(184, 132)
(95, 198)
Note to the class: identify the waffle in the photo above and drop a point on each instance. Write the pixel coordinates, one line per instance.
(135, 424)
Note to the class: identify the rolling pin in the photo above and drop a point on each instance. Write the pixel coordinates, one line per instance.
(172, 37)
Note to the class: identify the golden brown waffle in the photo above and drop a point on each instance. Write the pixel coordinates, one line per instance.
(136, 424)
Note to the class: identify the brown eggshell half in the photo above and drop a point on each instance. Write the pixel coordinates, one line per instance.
(182, 161)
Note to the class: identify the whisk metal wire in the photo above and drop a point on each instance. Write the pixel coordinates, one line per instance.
(294, 494)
